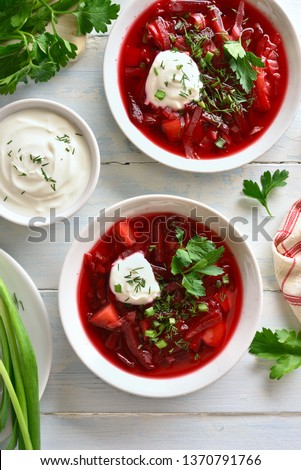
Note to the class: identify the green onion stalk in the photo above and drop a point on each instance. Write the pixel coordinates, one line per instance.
(19, 372)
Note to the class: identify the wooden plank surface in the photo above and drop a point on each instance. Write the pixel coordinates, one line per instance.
(244, 409)
(178, 431)
(72, 388)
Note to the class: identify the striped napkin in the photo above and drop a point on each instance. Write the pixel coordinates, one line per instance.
(287, 258)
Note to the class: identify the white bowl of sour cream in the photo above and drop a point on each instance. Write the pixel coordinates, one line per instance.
(49, 162)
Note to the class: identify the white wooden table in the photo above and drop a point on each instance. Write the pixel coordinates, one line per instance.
(244, 409)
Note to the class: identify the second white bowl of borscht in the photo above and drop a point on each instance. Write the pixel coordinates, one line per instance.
(203, 85)
(160, 295)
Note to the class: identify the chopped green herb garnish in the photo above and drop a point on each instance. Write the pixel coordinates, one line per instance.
(49, 179)
(242, 63)
(222, 90)
(225, 279)
(135, 280)
(161, 344)
(194, 261)
(183, 94)
(208, 57)
(203, 307)
(150, 334)
(220, 143)
(64, 138)
(38, 159)
(160, 95)
(149, 312)
(179, 25)
(118, 288)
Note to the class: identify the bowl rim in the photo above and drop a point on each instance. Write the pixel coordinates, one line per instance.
(104, 369)
(131, 10)
(71, 115)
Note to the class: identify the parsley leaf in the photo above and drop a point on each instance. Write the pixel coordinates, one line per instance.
(193, 284)
(201, 247)
(283, 346)
(180, 235)
(268, 182)
(242, 63)
(235, 49)
(180, 261)
(95, 14)
(34, 53)
(195, 261)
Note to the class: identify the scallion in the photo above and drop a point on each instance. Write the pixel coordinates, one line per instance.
(160, 95)
(24, 394)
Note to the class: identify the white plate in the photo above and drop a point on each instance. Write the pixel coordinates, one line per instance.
(34, 316)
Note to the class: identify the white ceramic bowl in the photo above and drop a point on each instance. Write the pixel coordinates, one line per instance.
(83, 193)
(235, 348)
(280, 20)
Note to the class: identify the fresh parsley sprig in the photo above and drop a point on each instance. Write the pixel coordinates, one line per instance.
(226, 89)
(268, 183)
(242, 63)
(194, 261)
(28, 51)
(282, 346)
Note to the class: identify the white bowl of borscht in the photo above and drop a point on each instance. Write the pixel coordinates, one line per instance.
(203, 85)
(160, 295)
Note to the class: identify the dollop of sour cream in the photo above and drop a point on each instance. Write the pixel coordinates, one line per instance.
(132, 280)
(173, 80)
(44, 162)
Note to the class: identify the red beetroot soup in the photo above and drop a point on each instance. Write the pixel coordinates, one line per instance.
(192, 317)
(231, 111)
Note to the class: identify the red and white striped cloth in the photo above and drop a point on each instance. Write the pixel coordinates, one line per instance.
(287, 258)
